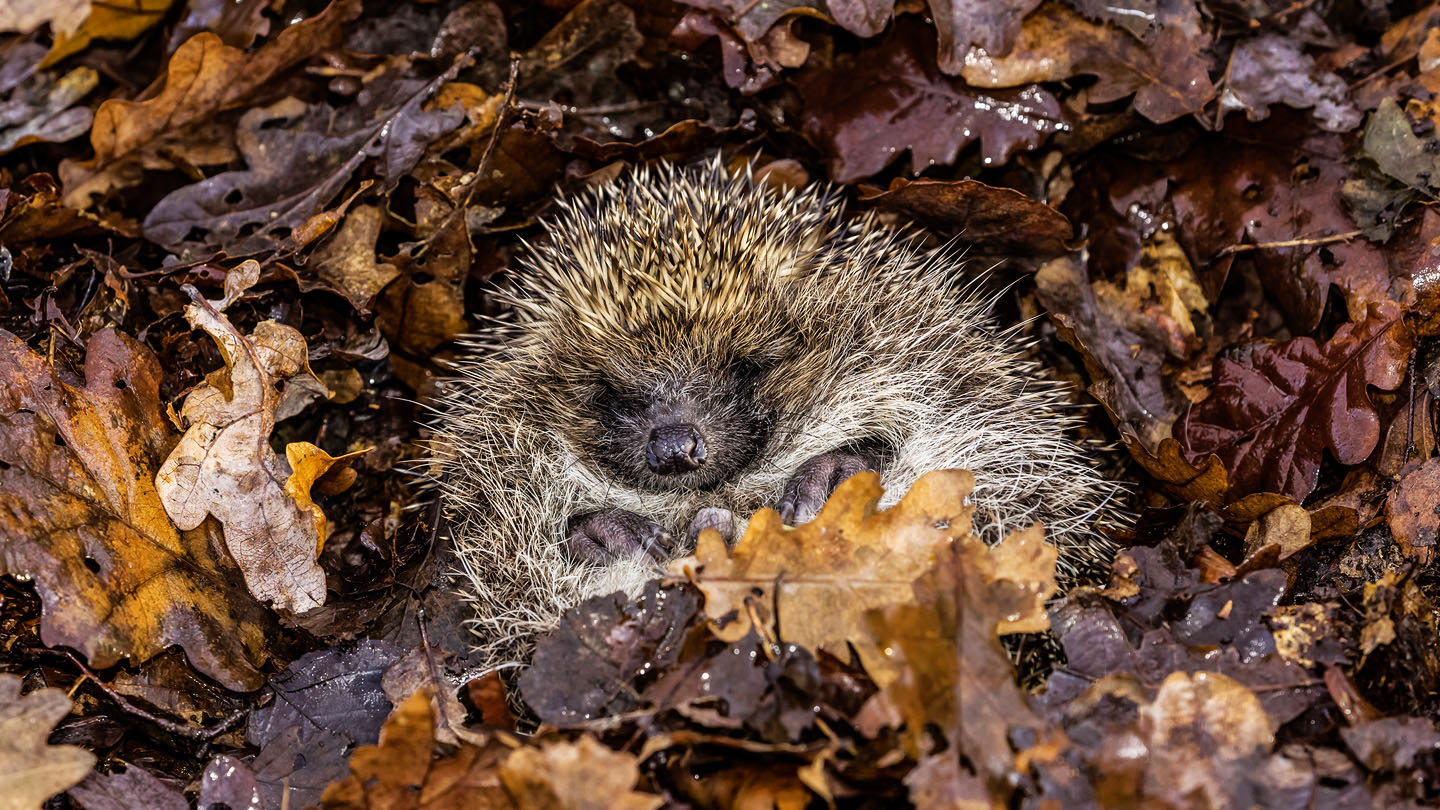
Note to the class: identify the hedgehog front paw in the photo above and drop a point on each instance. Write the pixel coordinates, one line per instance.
(600, 536)
(712, 517)
(811, 485)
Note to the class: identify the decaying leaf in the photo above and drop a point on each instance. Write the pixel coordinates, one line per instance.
(347, 262)
(1391, 141)
(1273, 69)
(30, 770)
(583, 775)
(1276, 409)
(82, 518)
(402, 772)
(131, 789)
(224, 465)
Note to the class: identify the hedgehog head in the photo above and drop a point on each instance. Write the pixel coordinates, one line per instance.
(669, 314)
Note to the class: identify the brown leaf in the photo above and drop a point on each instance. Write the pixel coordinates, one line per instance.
(108, 21)
(893, 97)
(83, 520)
(1273, 69)
(943, 660)
(404, 773)
(821, 577)
(1168, 74)
(300, 157)
(224, 466)
(347, 262)
(31, 770)
(204, 77)
(1413, 511)
(580, 775)
(993, 220)
(1275, 410)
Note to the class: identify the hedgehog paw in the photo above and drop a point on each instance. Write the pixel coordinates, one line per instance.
(712, 517)
(600, 536)
(810, 486)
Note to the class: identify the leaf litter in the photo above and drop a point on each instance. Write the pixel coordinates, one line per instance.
(1217, 221)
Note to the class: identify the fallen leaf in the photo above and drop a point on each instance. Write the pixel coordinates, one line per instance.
(580, 775)
(1168, 73)
(131, 789)
(942, 659)
(204, 77)
(31, 770)
(1413, 511)
(300, 156)
(331, 690)
(1275, 409)
(1273, 69)
(1390, 141)
(228, 781)
(820, 578)
(108, 21)
(83, 519)
(988, 219)
(402, 772)
(347, 262)
(893, 97)
(44, 108)
(224, 466)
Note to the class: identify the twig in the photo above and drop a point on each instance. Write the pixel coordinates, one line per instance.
(189, 732)
(505, 105)
(1318, 240)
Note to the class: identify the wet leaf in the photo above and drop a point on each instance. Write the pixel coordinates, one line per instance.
(83, 519)
(1391, 141)
(1276, 409)
(224, 466)
(31, 770)
(227, 781)
(1167, 73)
(893, 98)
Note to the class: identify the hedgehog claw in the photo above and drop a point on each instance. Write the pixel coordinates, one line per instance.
(811, 485)
(600, 536)
(712, 517)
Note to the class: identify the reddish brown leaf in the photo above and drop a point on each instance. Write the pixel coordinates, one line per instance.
(993, 220)
(1275, 409)
(1168, 73)
(1413, 511)
(893, 97)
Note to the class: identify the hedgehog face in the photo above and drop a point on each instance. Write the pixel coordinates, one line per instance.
(679, 408)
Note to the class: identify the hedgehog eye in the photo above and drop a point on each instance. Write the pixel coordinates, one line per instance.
(752, 366)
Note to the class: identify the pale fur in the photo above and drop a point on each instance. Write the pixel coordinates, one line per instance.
(916, 360)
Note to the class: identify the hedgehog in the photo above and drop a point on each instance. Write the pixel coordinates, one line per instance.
(686, 346)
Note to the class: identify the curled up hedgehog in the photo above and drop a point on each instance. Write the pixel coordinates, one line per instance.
(687, 347)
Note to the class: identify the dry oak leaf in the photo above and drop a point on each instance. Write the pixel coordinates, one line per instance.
(43, 108)
(224, 466)
(943, 663)
(79, 515)
(205, 76)
(823, 576)
(580, 775)
(30, 770)
(1167, 73)
(403, 772)
(1275, 409)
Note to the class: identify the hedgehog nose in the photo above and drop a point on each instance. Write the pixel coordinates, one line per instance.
(675, 449)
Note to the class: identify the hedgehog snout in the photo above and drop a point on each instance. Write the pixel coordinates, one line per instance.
(673, 449)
